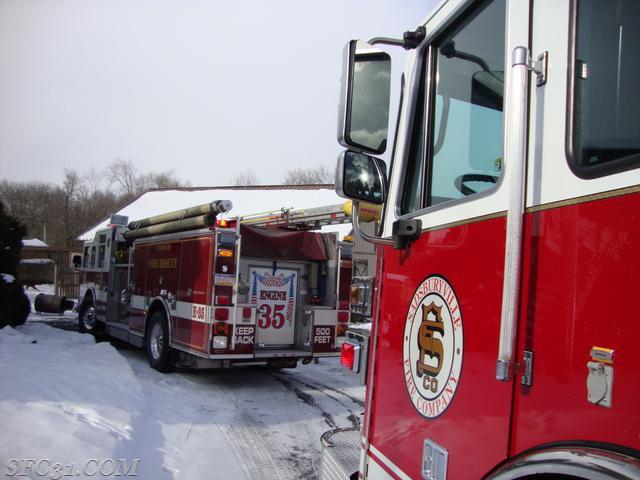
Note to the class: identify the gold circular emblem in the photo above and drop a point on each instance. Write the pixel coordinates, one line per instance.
(433, 349)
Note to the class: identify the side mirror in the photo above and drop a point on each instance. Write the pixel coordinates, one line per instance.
(365, 89)
(361, 177)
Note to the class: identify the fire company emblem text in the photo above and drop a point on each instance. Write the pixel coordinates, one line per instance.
(433, 349)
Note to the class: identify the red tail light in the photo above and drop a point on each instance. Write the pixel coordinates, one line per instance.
(246, 312)
(343, 317)
(348, 355)
(221, 314)
(223, 300)
(343, 305)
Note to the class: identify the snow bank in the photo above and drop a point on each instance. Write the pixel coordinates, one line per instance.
(66, 399)
(63, 396)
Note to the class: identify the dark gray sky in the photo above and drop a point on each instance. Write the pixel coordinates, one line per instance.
(208, 88)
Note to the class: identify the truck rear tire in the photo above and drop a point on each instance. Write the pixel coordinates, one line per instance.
(159, 354)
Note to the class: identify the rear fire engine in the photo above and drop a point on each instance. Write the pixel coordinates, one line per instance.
(505, 341)
(263, 289)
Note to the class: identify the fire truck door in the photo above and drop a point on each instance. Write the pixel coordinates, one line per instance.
(435, 389)
(581, 257)
(117, 311)
(275, 294)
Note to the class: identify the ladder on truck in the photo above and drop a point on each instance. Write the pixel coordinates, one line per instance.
(300, 219)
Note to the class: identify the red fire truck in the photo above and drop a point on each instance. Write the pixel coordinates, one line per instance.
(505, 340)
(204, 292)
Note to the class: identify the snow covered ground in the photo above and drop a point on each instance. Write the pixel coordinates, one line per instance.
(67, 399)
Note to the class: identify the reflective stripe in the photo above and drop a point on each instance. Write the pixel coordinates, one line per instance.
(192, 311)
(202, 313)
(380, 473)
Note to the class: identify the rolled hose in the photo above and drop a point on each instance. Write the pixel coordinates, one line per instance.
(203, 221)
(217, 206)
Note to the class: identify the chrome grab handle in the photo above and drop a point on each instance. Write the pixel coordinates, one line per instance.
(515, 147)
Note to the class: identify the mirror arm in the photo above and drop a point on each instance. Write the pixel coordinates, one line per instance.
(396, 42)
(363, 235)
(409, 40)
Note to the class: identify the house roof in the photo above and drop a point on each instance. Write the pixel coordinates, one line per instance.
(34, 243)
(246, 200)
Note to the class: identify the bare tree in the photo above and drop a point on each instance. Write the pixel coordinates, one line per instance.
(71, 188)
(245, 178)
(92, 181)
(129, 183)
(39, 206)
(124, 175)
(300, 176)
(166, 179)
(59, 213)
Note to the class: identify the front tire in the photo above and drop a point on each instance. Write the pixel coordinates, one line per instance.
(87, 322)
(159, 353)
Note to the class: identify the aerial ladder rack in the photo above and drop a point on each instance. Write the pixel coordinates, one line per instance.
(300, 219)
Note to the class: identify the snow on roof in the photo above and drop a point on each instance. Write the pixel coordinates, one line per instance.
(36, 261)
(246, 200)
(34, 242)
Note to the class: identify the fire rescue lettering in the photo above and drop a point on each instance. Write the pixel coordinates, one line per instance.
(163, 263)
(433, 347)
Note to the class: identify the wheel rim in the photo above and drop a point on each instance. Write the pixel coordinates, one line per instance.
(156, 341)
(89, 318)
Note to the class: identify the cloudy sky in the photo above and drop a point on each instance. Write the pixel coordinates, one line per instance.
(205, 87)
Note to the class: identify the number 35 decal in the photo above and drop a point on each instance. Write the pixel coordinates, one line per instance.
(271, 316)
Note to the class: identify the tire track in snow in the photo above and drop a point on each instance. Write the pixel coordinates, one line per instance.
(257, 448)
(321, 387)
(309, 400)
(252, 448)
(276, 444)
(355, 400)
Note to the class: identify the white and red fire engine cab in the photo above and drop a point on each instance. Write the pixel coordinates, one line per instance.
(506, 339)
(205, 292)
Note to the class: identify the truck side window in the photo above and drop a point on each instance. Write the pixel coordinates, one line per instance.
(606, 104)
(464, 146)
(102, 251)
